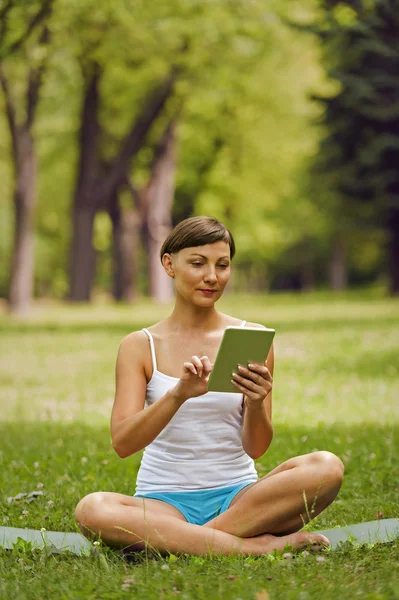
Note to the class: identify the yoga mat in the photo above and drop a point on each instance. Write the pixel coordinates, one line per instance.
(56, 541)
(383, 530)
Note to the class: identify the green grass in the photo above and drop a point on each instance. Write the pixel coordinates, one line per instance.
(336, 388)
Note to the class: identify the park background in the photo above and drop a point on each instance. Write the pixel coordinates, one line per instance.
(281, 119)
(119, 119)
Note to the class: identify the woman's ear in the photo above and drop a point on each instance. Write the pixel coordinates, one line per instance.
(168, 265)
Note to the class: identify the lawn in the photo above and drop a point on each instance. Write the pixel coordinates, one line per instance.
(336, 387)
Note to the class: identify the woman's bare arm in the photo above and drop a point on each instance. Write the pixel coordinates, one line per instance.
(132, 427)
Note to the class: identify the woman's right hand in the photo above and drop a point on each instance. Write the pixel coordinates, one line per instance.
(194, 378)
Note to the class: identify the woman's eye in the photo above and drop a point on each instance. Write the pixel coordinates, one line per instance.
(200, 264)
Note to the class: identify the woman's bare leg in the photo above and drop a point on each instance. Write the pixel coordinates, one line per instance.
(285, 499)
(138, 523)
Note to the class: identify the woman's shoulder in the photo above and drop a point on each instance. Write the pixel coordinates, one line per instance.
(134, 341)
(134, 349)
(131, 346)
(137, 340)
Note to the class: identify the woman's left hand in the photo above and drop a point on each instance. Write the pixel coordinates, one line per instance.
(254, 381)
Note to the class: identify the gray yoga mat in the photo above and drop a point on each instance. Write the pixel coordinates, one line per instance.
(383, 530)
(56, 541)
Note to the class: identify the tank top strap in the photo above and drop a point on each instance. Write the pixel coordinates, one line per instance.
(243, 324)
(154, 359)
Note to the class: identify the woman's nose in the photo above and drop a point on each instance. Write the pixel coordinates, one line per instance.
(210, 275)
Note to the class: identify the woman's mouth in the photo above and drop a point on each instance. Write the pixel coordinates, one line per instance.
(208, 292)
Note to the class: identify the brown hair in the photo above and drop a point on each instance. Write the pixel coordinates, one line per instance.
(197, 231)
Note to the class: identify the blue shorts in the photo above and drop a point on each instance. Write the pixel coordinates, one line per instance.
(200, 506)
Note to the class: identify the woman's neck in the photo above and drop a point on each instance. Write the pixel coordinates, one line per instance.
(189, 317)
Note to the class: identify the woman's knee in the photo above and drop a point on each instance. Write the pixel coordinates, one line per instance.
(89, 509)
(329, 466)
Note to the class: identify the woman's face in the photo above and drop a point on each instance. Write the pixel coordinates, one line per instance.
(201, 273)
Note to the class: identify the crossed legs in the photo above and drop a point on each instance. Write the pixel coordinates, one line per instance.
(262, 517)
(286, 498)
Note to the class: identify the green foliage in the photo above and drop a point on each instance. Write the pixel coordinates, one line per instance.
(245, 133)
(363, 145)
(360, 149)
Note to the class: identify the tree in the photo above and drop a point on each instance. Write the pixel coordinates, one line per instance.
(360, 150)
(176, 37)
(25, 37)
(158, 199)
(244, 137)
(98, 181)
(151, 218)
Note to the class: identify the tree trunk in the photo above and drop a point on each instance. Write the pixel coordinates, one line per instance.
(338, 267)
(307, 274)
(393, 251)
(126, 228)
(24, 158)
(83, 255)
(22, 268)
(159, 197)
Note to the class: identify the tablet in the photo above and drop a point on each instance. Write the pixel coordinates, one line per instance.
(240, 345)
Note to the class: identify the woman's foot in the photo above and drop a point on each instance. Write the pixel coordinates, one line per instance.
(265, 544)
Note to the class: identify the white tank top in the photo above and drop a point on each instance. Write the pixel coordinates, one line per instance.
(201, 446)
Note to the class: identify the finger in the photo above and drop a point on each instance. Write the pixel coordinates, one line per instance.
(261, 389)
(243, 390)
(261, 370)
(210, 371)
(198, 364)
(248, 385)
(207, 365)
(190, 367)
(257, 378)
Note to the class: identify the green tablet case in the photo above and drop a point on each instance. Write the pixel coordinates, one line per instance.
(240, 345)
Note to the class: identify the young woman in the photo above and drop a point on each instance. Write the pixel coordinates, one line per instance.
(197, 488)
